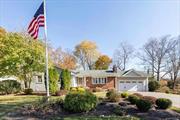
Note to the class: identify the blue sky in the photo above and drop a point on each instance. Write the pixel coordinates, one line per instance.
(107, 22)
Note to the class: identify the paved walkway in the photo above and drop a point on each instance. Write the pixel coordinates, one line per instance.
(175, 98)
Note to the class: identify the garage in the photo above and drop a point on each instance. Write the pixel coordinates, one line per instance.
(131, 85)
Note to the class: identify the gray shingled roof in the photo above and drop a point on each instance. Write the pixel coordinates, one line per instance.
(110, 73)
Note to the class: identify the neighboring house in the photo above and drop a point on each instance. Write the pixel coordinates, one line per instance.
(130, 80)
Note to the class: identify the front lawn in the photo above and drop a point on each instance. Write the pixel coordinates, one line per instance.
(10, 103)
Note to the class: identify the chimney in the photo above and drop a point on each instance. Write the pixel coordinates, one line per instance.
(114, 69)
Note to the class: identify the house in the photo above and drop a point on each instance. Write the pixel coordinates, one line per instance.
(130, 80)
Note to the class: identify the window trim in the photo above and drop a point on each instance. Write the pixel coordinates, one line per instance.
(99, 80)
(38, 79)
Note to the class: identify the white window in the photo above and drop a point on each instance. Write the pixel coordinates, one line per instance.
(99, 81)
(39, 79)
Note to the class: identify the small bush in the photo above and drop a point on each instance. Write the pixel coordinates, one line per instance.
(163, 103)
(9, 87)
(77, 89)
(61, 92)
(153, 85)
(119, 111)
(138, 95)
(80, 89)
(150, 98)
(28, 91)
(133, 99)
(113, 96)
(164, 89)
(80, 101)
(170, 84)
(143, 105)
(124, 95)
(97, 89)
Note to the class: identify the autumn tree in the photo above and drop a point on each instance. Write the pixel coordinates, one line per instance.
(103, 62)
(87, 53)
(2, 32)
(21, 56)
(122, 55)
(63, 59)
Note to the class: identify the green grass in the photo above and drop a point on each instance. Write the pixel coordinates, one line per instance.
(98, 118)
(175, 109)
(9, 103)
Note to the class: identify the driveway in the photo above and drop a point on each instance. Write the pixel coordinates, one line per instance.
(174, 98)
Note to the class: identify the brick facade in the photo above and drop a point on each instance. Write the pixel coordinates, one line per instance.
(109, 85)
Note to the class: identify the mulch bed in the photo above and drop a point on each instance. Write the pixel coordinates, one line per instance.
(103, 109)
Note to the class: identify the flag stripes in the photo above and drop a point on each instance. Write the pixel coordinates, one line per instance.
(37, 21)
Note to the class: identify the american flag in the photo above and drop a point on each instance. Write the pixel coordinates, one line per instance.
(37, 21)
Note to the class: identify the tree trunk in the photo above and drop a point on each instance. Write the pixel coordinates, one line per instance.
(25, 84)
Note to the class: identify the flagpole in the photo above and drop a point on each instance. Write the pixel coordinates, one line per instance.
(46, 52)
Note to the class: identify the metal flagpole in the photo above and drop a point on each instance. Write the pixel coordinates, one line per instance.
(46, 52)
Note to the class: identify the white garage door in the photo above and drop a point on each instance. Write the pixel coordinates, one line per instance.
(131, 85)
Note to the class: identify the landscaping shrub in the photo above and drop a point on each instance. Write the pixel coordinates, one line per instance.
(133, 99)
(138, 95)
(28, 91)
(170, 84)
(65, 80)
(153, 85)
(164, 89)
(119, 111)
(113, 96)
(77, 89)
(80, 101)
(163, 103)
(97, 89)
(143, 105)
(9, 87)
(124, 95)
(61, 92)
(150, 98)
(53, 80)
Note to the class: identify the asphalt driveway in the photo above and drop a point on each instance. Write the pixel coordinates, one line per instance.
(174, 98)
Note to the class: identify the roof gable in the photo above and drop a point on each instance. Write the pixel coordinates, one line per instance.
(131, 73)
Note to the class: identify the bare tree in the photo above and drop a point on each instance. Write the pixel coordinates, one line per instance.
(154, 53)
(122, 55)
(173, 61)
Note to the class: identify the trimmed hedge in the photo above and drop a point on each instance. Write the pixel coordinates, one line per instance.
(80, 101)
(143, 105)
(133, 99)
(163, 103)
(9, 87)
(153, 85)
